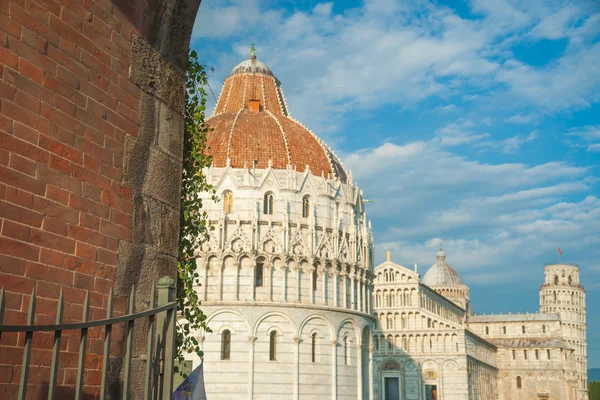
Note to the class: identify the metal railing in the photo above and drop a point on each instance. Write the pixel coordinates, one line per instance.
(160, 350)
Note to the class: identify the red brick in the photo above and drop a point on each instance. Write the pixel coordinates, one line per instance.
(73, 65)
(63, 29)
(121, 122)
(60, 164)
(57, 242)
(10, 26)
(33, 88)
(86, 235)
(114, 230)
(95, 136)
(83, 281)
(25, 182)
(19, 214)
(69, 47)
(129, 87)
(25, 116)
(12, 265)
(4, 157)
(85, 175)
(22, 49)
(89, 221)
(49, 274)
(22, 164)
(59, 179)
(54, 209)
(66, 106)
(54, 225)
(20, 197)
(98, 95)
(118, 203)
(31, 71)
(30, 135)
(106, 256)
(85, 251)
(111, 172)
(93, 63)
(128, 113)
(37, 11)
(91, 163)
(65, 91)
(48, 256)
(47, 289)
(50, 5)
(57, 194)
(125, 97)
(120, 218)
(9, 58)
(71, 19)
(26, 100)
(15, 231)
(35, 41)
(92, 192)
(19, 249)
(60, 149)
(7, 91)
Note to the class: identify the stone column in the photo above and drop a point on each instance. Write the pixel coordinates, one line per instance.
(359, 383)
(298, 285)
(253, 282)
(344, 302)
(324, 288)
(371, 372)
(312, 285)
(251, 340)
(236, 287)
(352, 291)
(206, 268)
(268, 267)
(297, 340)
(336, 296)
(221, 268)
(334, 344)
(284, 283)
(359, 293)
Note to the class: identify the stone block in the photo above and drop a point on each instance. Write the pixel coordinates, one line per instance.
(170, 131)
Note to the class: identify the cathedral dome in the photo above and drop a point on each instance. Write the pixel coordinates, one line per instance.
(442, 274)
(251, 127)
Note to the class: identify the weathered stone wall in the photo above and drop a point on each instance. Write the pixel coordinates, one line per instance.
(91, 100)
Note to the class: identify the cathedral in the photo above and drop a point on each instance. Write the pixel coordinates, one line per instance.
(298, 310)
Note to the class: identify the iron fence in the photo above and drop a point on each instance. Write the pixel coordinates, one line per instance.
(160, 352)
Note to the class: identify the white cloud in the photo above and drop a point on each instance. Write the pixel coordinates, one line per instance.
(589, 137)
(521, 119)
(512, 144)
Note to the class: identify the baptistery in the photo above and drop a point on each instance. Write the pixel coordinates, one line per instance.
(285, 274)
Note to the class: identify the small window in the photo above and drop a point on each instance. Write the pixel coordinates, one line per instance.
(227, 202)
(548, 354)
(504, 330)
(525, 354)
(556, 279)
(346, 350)
(272, 346)
(225, 345)
(514, 355)
(570, 280)
(523, 328)
(258, 281)
(305, 207)
(537, 355)
(268, 204)
(487, 330)
(314, 347)
(519, 384)
(376, 343)
(543, 328)
(315, 276)
(390, 342)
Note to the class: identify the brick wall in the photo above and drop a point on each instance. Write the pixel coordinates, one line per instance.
(72, 199)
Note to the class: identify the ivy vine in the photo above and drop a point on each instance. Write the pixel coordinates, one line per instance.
(193, 220)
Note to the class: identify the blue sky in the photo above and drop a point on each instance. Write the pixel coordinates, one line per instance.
(472, 124)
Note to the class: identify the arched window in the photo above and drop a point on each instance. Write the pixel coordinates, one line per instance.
(504, 330)
(306, 206)
(272, 346)
(525, 354)
(570, 280)
(314, 347)
(227, 202)
(390, 342)
(556, 279)
(258, 278)
(519, 385)
(563, 273)
(523, 328)
(487, 330)
(225, 344)
(543, 328)
(315, 277)
(346, 350)
(268, 204)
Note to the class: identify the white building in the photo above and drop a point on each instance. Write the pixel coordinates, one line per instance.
(297, 310)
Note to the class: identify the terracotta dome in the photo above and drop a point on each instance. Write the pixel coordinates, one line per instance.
(251, 126)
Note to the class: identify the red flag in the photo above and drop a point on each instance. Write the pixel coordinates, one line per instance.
(559, 252)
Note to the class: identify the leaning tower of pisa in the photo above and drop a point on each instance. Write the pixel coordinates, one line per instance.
(561, 293)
